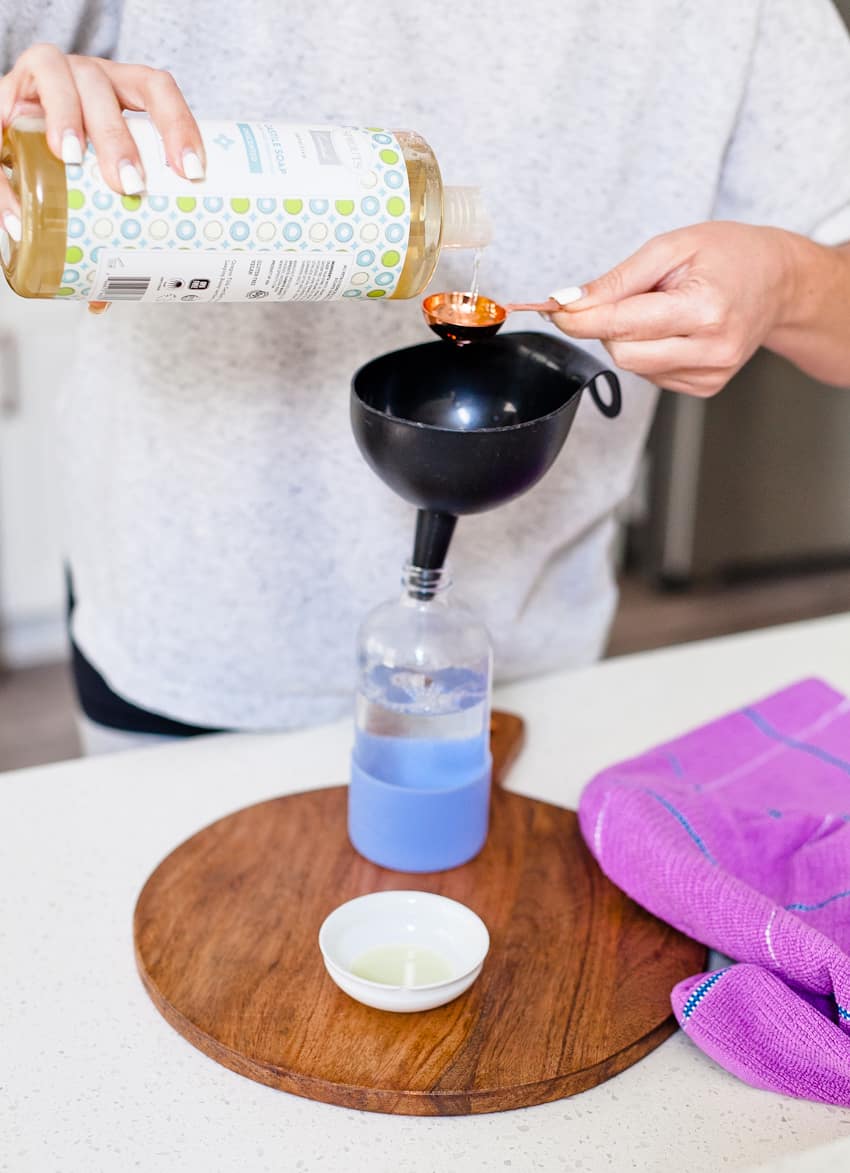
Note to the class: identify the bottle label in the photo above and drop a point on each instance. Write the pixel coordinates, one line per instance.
(285, 213)
(206, 275)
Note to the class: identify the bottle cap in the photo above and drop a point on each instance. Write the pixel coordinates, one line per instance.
(465, 220)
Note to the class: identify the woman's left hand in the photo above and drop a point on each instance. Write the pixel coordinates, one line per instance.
(689, 307)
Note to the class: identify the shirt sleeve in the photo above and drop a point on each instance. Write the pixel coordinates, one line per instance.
(89, 27)
(788, 160)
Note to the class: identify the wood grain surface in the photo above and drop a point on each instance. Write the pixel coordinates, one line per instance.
(575, 987)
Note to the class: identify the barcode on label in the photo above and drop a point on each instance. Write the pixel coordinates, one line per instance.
(125, 288)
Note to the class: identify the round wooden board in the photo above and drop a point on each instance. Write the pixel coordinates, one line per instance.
(575, 988)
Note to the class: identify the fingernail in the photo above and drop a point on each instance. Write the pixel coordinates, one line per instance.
(5, 248)
(568, 294)
(72, 148)
(193, 168)
(13, 226)
(131, 178)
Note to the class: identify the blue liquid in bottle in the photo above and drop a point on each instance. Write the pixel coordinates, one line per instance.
(420, 780)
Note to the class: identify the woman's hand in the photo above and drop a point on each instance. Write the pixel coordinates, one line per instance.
(690, 307)
(81, 99)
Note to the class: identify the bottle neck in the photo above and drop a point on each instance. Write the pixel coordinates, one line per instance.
(423, 586)
(465, 220)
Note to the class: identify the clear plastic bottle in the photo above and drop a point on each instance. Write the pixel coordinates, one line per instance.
(420, 777)
(285, 213)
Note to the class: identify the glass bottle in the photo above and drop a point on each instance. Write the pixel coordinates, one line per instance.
(421, 765)
(284, 213)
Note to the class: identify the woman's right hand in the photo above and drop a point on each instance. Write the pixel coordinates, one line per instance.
(81, 100)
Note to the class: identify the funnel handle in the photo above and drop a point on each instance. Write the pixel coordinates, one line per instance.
(614, 404)
(586, 368)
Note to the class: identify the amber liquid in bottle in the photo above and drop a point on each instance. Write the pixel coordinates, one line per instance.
(35, 264)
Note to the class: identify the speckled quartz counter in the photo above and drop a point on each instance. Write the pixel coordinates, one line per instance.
(92, 1079)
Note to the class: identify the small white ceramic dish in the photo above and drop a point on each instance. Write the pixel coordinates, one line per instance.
(426, 949)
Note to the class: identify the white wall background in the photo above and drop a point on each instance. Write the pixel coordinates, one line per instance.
(37, 339)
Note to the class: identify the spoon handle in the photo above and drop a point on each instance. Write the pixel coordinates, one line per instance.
(550, 306)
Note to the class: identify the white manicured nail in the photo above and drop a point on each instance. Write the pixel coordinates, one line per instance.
(568, 294)
(72, 148)
(13, 226)
(131, 178)
(5, 247)
(193, 168)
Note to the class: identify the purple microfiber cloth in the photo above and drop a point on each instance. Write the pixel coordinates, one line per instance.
(738, 834)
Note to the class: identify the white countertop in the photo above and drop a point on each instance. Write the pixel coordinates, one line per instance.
(93, 1079)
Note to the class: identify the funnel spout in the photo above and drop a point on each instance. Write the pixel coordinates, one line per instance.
(433, 533)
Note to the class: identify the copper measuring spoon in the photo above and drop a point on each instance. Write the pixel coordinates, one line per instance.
(460, 317)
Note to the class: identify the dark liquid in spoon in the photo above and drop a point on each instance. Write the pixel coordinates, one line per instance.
(464, 328)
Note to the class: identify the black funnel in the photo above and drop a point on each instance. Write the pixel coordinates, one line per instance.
(457, 430)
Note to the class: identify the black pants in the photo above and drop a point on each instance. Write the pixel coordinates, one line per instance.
(105, 707)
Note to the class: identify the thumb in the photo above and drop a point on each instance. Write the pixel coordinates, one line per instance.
(642, 271)
(10, 209)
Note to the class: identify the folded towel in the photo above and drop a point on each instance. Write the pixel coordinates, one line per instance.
(738, 834)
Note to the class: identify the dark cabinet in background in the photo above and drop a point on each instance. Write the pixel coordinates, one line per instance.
(756, 478)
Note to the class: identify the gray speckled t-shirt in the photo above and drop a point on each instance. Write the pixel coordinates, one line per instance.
(225, 536)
